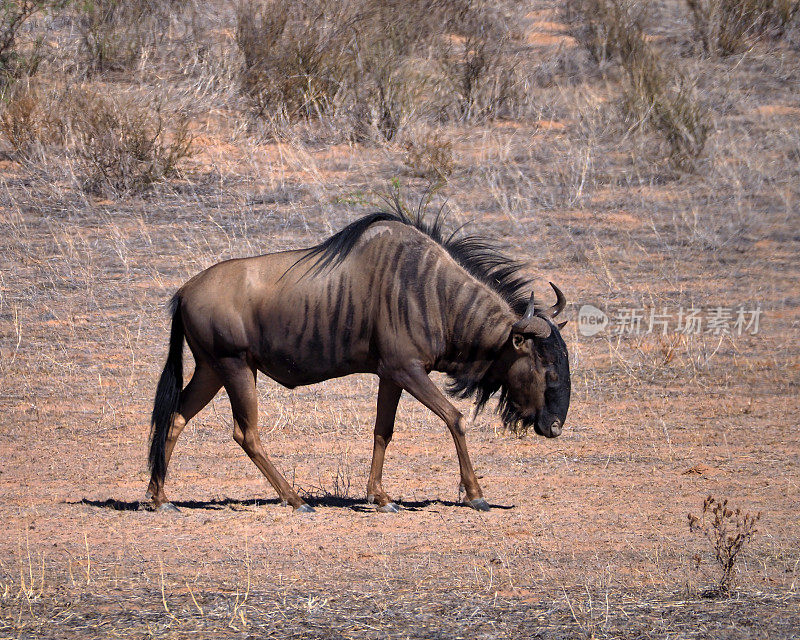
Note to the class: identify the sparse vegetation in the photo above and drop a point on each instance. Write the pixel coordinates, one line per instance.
(293, 55)
(484, 67)
(122, 146)
(728, 531)
(16, 61)
(127, 168)
(665, 100)
(115, 145)
(726, 27)
(656, 94)
(115, 32)
(607, 29)
(22, 120)
(430, 157)
(377, 62)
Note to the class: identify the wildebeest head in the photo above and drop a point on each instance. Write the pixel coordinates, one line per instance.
(536, 386)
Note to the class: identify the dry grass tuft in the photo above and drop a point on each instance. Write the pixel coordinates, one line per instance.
(122, 146)
(606, 28)
(430, 156)
(114, 145)
(22, 120)
(293, 56)
(114, 33)
(664, 99)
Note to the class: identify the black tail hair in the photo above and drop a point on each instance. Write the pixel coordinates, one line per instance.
(168, 395)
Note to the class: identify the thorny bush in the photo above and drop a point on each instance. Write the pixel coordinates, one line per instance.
(728, 531)
(114, 145)
(379, 62)
(656, 94)
(725, 27)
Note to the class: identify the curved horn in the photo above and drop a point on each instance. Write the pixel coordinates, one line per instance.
(531, 323)
(558, 307)
(530, 311)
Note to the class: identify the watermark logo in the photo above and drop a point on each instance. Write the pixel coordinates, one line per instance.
(591, 320)
(637, 321)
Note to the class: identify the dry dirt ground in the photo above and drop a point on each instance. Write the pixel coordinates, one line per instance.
(588, 535)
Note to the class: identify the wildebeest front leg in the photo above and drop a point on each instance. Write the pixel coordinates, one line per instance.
(416, 381)
(240, 383)
(388, 397)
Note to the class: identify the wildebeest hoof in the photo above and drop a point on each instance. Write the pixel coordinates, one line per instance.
(390, 507)
(304, 508)
(168, 507)
(479, 504)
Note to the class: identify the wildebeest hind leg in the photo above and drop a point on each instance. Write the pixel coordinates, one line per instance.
(240, 383)
(388, 397)
(416, 381)
(203, 386)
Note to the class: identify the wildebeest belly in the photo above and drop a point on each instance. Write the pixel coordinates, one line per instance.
(296, 374)
(301, 343)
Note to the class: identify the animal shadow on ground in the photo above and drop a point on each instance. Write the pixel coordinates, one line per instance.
(355, 504)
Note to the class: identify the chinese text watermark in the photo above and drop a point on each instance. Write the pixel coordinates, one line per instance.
(716, 320)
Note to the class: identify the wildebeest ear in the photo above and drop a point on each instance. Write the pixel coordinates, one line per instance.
(562, 324)
(517, 339)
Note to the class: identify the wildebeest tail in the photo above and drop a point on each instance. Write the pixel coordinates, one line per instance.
(168, 393)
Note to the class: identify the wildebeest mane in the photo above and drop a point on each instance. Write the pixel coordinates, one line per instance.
(479, 257)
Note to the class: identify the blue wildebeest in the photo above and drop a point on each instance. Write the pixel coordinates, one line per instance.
(387, 295)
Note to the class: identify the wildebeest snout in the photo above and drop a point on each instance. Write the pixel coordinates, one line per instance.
(548, 426)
